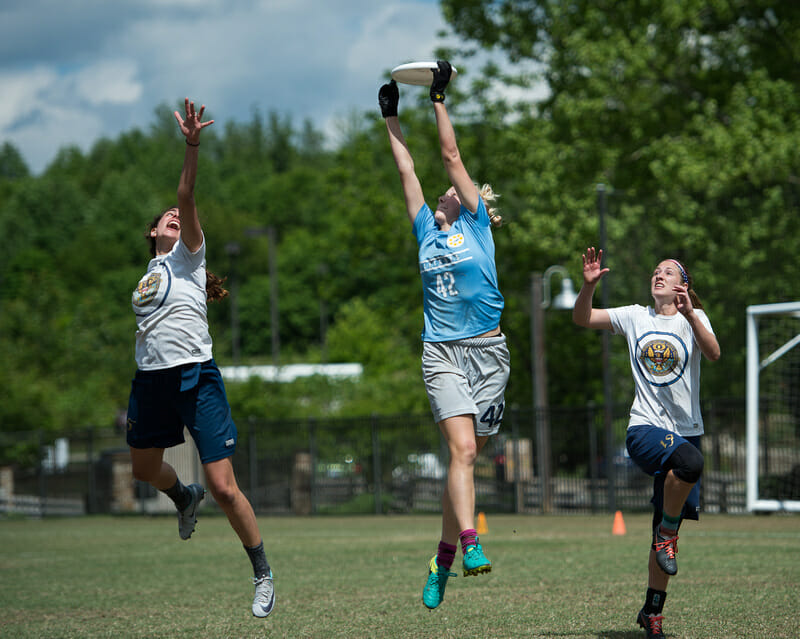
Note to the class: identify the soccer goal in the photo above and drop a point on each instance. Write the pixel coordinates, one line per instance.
(773, 407)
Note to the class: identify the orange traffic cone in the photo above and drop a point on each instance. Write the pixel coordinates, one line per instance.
(482, 528)
(619, 524)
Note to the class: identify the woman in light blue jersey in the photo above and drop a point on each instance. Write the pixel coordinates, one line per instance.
(465, 361)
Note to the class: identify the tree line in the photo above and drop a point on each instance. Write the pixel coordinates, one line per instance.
(686, 112)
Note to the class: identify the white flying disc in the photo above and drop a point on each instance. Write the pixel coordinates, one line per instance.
(420, 73)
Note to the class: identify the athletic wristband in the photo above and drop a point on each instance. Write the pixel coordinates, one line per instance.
(437, 97)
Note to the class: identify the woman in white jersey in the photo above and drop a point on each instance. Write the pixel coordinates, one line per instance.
(465, 361)
(177, 383)
(665, 343)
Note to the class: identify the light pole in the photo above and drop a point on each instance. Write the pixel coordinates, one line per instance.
(272, 255)
(608, 405)
(322, 272)
(233, 249)
(540, 301)
(273, 296)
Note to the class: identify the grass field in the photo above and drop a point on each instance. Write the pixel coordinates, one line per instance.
(559, 576)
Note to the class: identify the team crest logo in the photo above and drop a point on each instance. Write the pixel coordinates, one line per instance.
(455, 240)
(658, 357)
(147, 289)
(662, 357)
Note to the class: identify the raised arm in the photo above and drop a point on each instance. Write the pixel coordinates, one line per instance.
(388, 98)
(451, 157)
(582, 313)
(705, 339)
(191, 126)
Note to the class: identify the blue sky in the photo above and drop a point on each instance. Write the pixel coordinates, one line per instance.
(74, 71)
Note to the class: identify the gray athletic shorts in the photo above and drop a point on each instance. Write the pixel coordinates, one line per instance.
(467, 377)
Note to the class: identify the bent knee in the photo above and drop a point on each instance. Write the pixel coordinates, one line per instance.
(145, 471)
(224, 494)
(142, 474)
(687, 463)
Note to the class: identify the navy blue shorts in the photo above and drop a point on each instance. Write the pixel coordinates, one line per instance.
(163, 402)
(650, 447)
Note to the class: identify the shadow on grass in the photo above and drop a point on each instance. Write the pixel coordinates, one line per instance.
(610, 634)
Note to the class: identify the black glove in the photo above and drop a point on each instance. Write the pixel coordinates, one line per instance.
(388, 97)
(441, 76)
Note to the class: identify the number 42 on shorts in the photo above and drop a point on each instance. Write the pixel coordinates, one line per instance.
(493, 415)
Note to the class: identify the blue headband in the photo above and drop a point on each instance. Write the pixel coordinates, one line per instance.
(683, 272)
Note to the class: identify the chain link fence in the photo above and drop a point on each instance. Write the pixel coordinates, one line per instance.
(378, 464)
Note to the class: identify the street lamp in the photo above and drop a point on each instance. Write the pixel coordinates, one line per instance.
(608, 401)
(233, 249)
(540, 301)
(272, 255)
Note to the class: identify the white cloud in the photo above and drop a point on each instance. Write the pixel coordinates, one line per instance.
(53, 129)
(183, 4)
(384, 37)
(109, 82)
(303, 58)
(45, 110)
(22, 94)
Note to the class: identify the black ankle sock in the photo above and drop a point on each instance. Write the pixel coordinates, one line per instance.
(654, 601)
(259, 560)
(179, 494)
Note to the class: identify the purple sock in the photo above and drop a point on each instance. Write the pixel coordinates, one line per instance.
(445, 555)
(468, 537)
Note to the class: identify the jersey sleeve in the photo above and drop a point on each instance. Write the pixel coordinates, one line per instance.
(482, 215)
(184, 254)
(621, 318)
(423, 223)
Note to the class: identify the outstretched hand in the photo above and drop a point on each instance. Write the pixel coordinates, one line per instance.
(682, 300)
(388, 98)
(592, 271)
(191, 125)
(441, 77)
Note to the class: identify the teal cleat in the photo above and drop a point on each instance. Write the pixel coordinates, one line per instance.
(475, 562)
(433, 593)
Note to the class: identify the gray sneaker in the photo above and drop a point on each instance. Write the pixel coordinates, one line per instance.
(264, 600)
(187, 518)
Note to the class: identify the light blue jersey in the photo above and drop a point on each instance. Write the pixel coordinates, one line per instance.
(459, 278)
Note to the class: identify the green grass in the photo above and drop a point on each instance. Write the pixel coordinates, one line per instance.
(353, 577)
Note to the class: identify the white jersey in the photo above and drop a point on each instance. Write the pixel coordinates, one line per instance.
(665, 362)
(170, 307)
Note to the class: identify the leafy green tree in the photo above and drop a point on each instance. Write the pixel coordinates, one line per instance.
(688, 112)
(12, 164)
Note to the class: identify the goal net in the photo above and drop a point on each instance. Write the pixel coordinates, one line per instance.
(773, 407)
